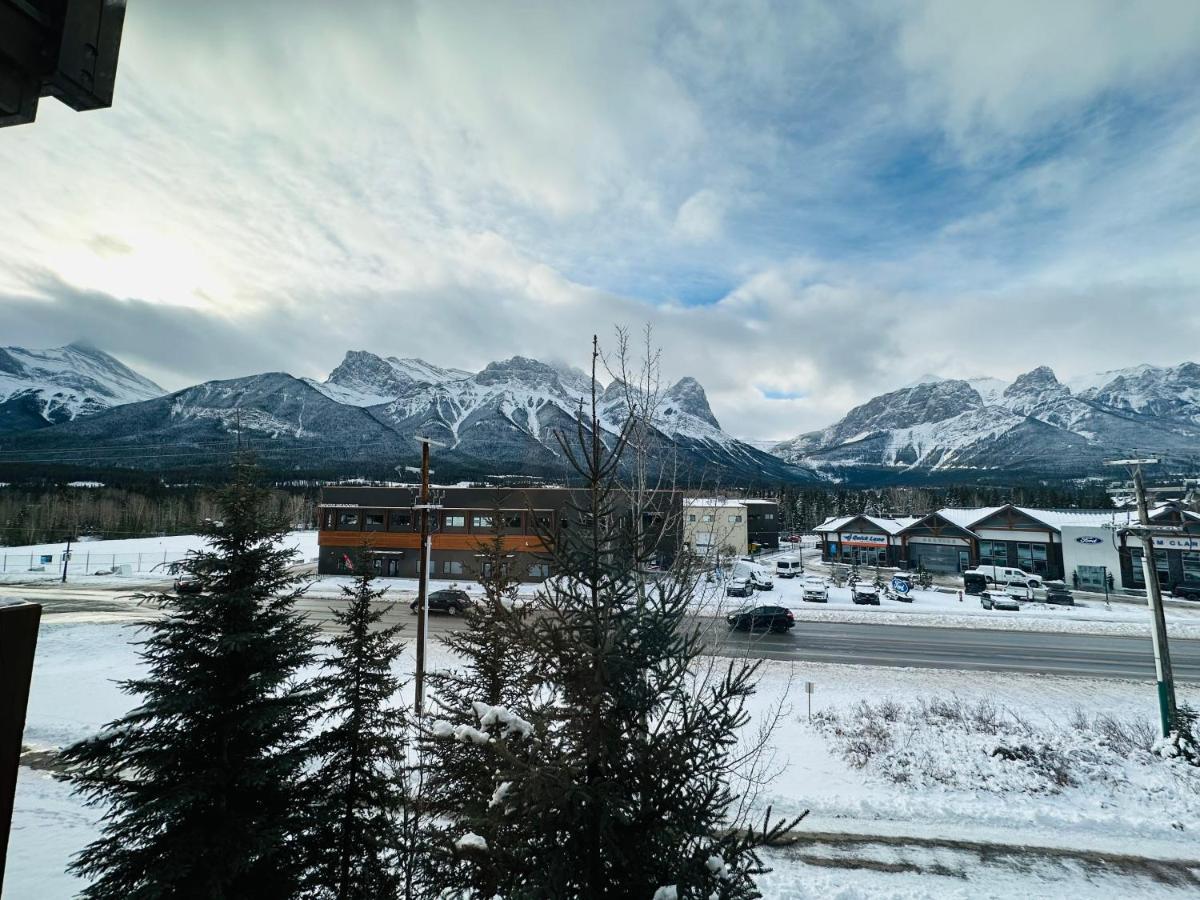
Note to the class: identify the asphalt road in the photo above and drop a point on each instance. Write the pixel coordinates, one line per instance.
(826, 642)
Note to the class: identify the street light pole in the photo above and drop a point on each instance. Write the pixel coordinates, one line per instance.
(423, 583)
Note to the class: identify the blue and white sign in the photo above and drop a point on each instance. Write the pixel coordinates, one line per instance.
(901, 585)
(1089, 539)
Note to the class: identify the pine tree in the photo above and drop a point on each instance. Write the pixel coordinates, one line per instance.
(619, 782)
(202, 783)
(459, 783)
(360, 782)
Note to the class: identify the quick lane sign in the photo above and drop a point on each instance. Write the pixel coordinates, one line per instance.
(868, 540)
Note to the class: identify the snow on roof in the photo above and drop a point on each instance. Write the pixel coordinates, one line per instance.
(713, 501)
(887, 525)
(750, 500)
(967, 517)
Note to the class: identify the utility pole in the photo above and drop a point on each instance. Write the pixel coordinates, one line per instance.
(1158, 632)
(67, 554)
(423, 583)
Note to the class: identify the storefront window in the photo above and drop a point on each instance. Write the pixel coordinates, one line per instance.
(348, 520)
(452, 521)
(539, 570)
(1032, 558)
(1160, 563)
(1191, 566)
(452, 567)
(481, 521)
(993, 553)
(401, 521)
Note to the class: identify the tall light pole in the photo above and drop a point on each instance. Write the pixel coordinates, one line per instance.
(1158, 631)
(425, 506)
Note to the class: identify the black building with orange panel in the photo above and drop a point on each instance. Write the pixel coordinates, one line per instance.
(384, 520)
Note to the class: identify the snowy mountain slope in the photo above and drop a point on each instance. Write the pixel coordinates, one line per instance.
(1035, 424)
(364, 379)
(39, 388)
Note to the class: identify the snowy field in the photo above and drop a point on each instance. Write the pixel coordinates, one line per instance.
(942, 608)
(933, 784)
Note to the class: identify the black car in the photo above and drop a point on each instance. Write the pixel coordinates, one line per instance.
(187, 584)
(864, 595)
(448, 601)
(1058, 594)
(752, 618)
(1186, 591)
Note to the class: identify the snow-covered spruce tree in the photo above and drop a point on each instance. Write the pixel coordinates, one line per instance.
(458, 776)
(357, 845)
(619, 784)
(202, 782)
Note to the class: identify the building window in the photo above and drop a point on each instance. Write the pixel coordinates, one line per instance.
(329, 519)
(401, 521)
(511, 520)
(545, 521)
(377, 565)
(452, 567)
(1032, 558)
(1160, 563)
(993, 553)
(707, 518)
(769, 517)
(348, 520)
(373, 521)
(539, 570)
(478, 521)
(691, 517)
(735, 520)
(1191, 566)
(454, 521)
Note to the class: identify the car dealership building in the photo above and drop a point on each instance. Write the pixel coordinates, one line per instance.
(1082, 547)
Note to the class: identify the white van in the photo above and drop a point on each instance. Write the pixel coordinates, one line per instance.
(787, 567)
(1007, 575)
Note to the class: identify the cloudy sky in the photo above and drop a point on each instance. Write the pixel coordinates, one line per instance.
(812, 202)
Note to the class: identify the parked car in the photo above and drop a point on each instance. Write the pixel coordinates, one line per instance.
(1186, 591)
(1006, 574)
(787, 567)
(775, 618)
(1058, 594)
(187, 584)
(974, 582)
(865, 595)
(998, 600)
(815, 590)
(738, 587)
(761, 580)
(447, 600)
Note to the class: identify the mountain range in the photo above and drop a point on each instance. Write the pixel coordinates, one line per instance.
(504, 420)
(362, 419)
(1034, 425)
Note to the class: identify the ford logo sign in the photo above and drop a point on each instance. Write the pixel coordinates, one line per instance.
(1087, 539)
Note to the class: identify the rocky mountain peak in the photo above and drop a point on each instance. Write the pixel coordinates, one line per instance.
(522, 369)
(1034, 391)
(687, 396)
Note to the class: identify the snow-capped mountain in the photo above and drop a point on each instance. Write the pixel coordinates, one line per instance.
(364, 379)
(1034, 424)
(504, 419)
(40, 388)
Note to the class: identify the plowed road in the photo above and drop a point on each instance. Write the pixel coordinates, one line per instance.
(827, 642)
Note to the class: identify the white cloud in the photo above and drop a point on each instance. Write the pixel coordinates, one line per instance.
(768, 184)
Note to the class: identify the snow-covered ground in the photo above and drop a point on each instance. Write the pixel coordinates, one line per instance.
(146, 558)
(1133, 806)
